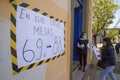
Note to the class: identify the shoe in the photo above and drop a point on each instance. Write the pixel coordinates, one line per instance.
(80, 68)
(84, 69)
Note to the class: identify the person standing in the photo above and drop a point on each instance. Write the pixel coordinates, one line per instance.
(108, 57)
(117, 47)
(82, 51)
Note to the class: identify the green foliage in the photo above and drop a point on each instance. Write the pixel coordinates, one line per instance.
(103, 14)
(112, 33)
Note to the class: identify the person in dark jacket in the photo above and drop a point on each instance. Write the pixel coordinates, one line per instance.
(82, 51)
(117, 47)
(108, 57)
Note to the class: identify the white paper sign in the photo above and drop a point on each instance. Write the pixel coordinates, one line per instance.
(37, 37)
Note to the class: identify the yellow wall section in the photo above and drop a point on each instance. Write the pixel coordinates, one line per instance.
(57, 69)
(5, 9)
(63, 4)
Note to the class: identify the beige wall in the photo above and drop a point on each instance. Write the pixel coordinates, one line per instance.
(87, 23)
(57, 69)
(89, 27)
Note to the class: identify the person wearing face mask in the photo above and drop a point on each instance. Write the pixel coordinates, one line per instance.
(108, 57)
(82, 51)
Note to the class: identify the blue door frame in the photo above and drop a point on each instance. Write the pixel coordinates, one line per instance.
(77, 28)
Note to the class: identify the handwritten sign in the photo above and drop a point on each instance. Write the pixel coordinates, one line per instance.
(37, 37)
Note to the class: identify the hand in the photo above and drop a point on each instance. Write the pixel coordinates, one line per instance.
(99, 55)
(82, 45)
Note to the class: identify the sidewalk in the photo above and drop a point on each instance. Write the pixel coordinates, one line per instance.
(78, 74)
(95, 72)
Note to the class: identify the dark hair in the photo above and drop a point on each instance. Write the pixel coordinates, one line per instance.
(82, 34)
(108, 42)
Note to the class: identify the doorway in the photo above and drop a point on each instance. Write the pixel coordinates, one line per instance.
(78, 11)
(79, 19)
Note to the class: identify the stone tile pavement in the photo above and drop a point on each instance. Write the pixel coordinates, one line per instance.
(78, 74)
(93, 72)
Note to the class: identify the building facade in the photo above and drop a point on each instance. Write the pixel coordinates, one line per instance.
(28, 64)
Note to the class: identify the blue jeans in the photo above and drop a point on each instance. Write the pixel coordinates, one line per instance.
(108, 71)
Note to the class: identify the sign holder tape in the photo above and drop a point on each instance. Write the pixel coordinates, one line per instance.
(17, 70)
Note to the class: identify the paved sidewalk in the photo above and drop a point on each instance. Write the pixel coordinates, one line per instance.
(95, 72)
(117, 67)
(78, 74)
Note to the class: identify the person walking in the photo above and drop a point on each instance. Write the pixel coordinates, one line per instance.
(82, 51)
(108, 57)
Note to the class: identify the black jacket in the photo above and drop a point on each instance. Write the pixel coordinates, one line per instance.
(108, 56)
(85, 42)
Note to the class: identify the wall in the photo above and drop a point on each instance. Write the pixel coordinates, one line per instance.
(87, 24)
(58, 69)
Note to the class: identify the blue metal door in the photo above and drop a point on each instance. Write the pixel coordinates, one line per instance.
(77, 30)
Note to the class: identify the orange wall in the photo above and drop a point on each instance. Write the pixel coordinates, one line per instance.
(57, 69)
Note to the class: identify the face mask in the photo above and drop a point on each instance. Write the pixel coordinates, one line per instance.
(84, 37)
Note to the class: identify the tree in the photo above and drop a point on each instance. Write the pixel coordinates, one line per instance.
(103, 14)
(112, 33)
